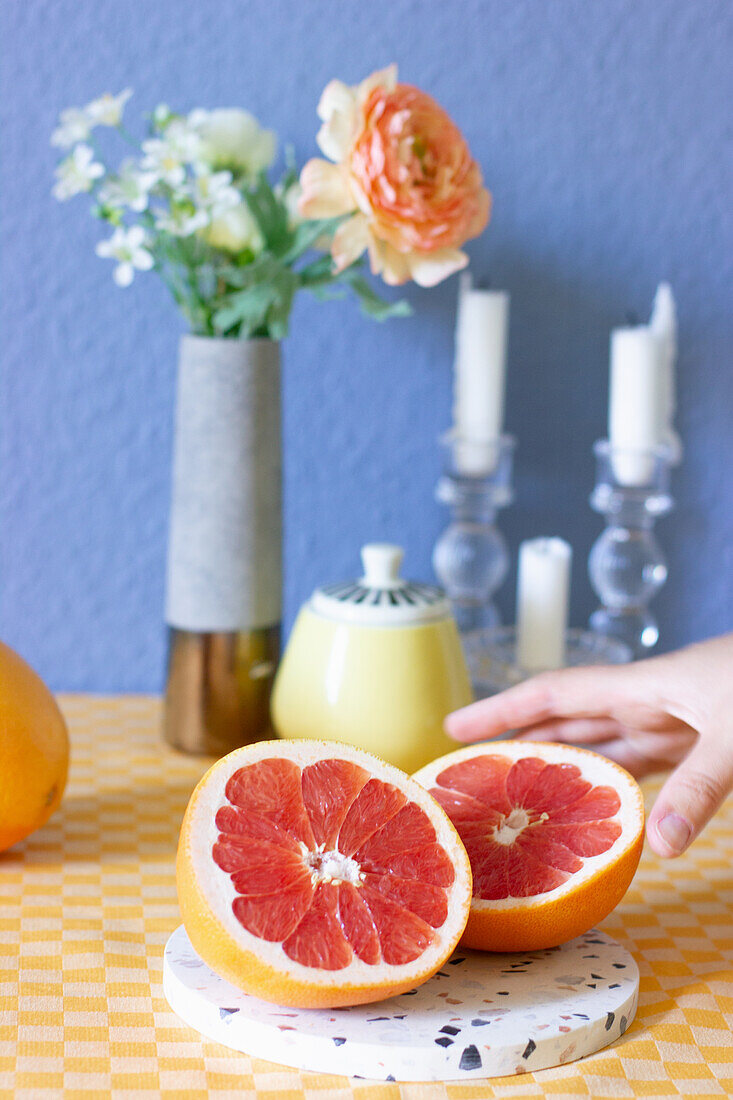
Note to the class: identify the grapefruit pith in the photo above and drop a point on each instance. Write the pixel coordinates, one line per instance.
(313, 874)
(554, 835)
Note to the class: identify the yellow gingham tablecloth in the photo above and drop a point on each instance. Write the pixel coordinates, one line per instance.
(87, 903)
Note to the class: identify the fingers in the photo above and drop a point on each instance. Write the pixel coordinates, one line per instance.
(625, 755)
(690, 797)
(604, 736)
(568, 693)
(576, 731)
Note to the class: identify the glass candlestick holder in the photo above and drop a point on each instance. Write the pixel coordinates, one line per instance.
(491, 656)
(626, 563)
(470, 558)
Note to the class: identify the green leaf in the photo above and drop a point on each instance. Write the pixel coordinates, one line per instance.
(246, 310)
(278, 315)
(305, 235)
(317, 273)
(262, 306)
(371, 304)
(328, 293)
(259, 270)
(270, 214)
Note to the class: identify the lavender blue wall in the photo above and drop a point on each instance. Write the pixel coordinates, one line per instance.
(604, 133)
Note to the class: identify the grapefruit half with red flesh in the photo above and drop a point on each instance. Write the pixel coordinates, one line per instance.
(313, 874)
(554, 835)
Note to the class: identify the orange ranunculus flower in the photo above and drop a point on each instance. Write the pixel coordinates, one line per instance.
(404, 171)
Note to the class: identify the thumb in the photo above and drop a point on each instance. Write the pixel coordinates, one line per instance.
(690, 797)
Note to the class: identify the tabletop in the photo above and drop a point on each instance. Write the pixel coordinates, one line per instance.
(88, 902)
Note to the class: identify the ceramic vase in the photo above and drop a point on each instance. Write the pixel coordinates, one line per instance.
(224, 572)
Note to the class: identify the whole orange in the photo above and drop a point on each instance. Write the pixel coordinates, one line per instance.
(34, 750)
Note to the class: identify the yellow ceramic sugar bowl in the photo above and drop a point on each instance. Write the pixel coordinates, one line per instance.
(375, 662)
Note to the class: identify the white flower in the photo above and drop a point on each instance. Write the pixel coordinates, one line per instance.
(77, 123)
(74, 126)
(127, 246)
(235, 230)
(234, 139)
(213, 192)
(76, 173)
(162, 115)
(130, 188)
(107, 109)
(168, 155)
(182, 220)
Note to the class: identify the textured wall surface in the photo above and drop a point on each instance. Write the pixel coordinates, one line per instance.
(604, 134)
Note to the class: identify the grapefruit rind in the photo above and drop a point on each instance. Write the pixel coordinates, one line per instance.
(34, 750)
(261, 967)
(548, 919)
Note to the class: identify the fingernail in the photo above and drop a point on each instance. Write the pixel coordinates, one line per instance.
(674, 831)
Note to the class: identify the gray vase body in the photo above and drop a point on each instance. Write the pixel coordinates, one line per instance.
(224, 576)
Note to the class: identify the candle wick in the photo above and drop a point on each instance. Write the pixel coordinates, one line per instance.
(632, 318)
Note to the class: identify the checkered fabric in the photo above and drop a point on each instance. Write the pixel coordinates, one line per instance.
(87, 903)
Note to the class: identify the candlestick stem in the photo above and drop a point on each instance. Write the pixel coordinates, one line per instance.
(626, 564)
(470, 557)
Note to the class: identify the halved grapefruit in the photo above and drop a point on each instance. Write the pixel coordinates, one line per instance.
(313, 874)
(554, 836)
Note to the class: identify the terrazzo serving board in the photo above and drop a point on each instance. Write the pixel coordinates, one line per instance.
(481, 1015)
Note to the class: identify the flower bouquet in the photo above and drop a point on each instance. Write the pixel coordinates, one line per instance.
(194, 202)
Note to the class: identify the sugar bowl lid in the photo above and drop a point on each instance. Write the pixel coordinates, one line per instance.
(381, 597)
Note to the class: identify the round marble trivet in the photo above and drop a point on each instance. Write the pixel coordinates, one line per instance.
(481, 1015)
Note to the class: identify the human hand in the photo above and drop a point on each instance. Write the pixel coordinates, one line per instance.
(670, 711)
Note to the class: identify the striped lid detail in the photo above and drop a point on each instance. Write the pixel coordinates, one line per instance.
(381, 597)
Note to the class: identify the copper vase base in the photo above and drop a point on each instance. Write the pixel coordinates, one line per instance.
(218, 689)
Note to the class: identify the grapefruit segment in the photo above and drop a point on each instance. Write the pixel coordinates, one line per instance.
(234, 821)
(430, 865)
(427, 902)
(474, 817)
(358, 926)
(375, 804)
(329, 787)
(553, 833)
(263, 867)
(313, 874)
(403, 936)
(521, 777)
(407, 841)
(500, 871)
(318, 940)
(483, 777)
(550, 851)
(410, 828)
(272, 917)
(271, 789)
(554, 787)
(593, 839)
(265, 875)
(596, 805)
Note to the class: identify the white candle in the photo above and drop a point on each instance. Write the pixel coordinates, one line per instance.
(543, 588)
(663, 324)
(480, 369)
(637, 403)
